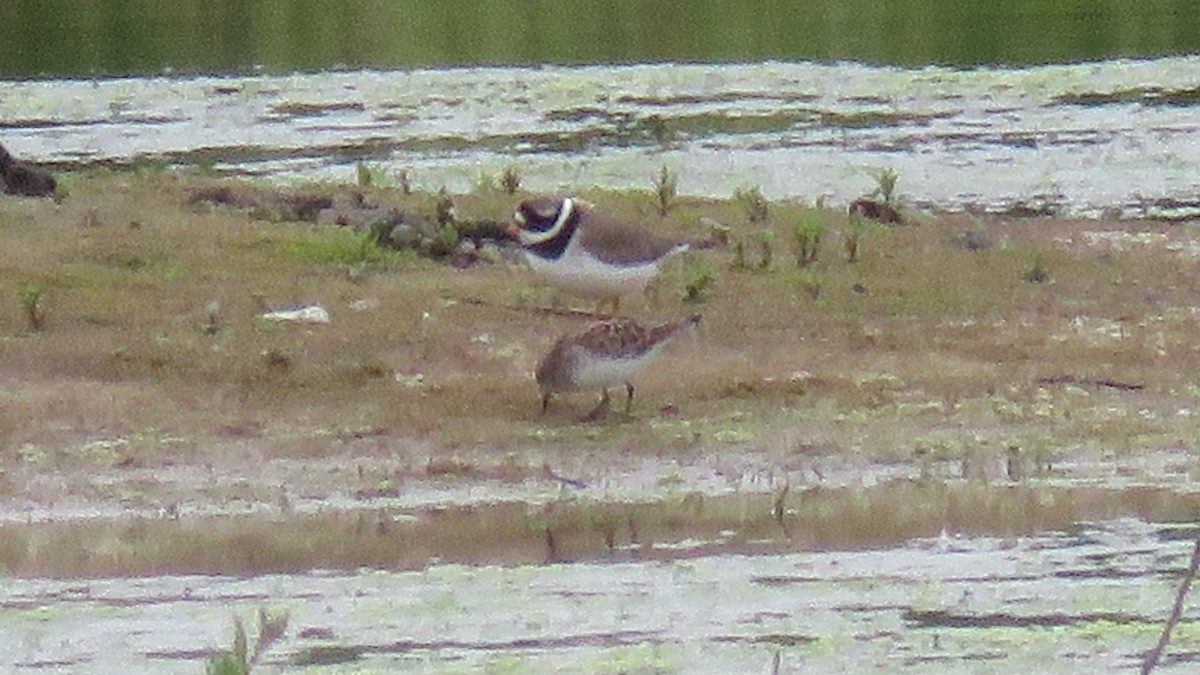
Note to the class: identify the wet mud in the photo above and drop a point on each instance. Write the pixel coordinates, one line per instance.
(936, 604)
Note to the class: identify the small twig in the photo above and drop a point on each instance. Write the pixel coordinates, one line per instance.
(1155, 654)
(573, 482)
(539, 311)
(551, 548)
(1082, 381)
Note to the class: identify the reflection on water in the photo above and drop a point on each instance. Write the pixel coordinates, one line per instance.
(1090, 600)
(1117, 138)
(150, 36)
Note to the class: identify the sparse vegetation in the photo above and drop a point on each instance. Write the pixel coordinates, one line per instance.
(765, 239)
(885, 188)
(739, 261)
(368, 175)
(404, 180)
(857, 227)
(510, 180)
(699, 276)
(362, 173)
(486, 182)
(31, 305)
(239, 660)
(445, 207)
(807, 234)
(656, 127)
(343, 247)
(1037, 273)
(666, 184)
(754, 204)
(807, 281)
(754, 251)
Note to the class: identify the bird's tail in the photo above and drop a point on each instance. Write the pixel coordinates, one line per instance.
(666, 331)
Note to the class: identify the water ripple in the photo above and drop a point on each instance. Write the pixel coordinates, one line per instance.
(1113, 138)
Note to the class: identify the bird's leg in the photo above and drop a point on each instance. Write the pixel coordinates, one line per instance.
(606, 308)
(629, 398)
(653, 297)
(545, 402)
(614, 303)
(600, 411)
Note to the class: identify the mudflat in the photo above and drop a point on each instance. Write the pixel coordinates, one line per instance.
(150, 372)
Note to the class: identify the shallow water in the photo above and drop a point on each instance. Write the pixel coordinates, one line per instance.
(1114, 138)
(1087, 600)
(188, 36)
(1071, 570)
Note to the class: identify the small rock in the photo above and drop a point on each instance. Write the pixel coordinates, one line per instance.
(23, 180)
(877, 211)
(310, 314)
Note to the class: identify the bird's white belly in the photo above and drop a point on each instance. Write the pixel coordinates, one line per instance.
(594, 372)
(579, 272)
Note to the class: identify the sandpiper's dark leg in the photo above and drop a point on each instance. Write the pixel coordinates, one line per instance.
(629, 398)
(606, 309)
(600, 411)
(545, 402)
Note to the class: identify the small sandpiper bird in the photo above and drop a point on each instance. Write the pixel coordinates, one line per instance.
(578, 249)
(607, 354)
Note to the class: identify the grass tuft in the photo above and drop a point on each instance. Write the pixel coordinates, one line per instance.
(362, 173)
(807, 281)
(404, 180)
(807, 234)
(345, 248)
(1037, 273)
(754, 204)
(857, 227)
(666, 185)
(885, 185)
(765, 239)
(510, 180)
(238, 660)
(699, 277)
(32, 306)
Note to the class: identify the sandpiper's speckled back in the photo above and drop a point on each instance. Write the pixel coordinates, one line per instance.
(607, 354)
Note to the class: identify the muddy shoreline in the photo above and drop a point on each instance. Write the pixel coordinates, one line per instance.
(994, 389)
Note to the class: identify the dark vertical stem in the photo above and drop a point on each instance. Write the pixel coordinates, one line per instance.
(1155, 654)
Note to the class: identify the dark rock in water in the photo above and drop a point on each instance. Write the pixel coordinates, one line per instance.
(878, 211)
(24, 180)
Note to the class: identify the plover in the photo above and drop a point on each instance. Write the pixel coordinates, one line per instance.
(580, 250)
(607, 354)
